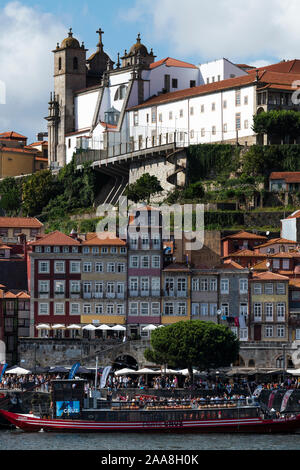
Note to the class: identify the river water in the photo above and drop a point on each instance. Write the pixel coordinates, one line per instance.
(18, 440)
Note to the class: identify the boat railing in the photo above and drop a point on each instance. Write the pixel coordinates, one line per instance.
(180, 405)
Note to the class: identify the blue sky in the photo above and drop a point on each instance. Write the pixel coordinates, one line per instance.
(85, 17)
(197, 31)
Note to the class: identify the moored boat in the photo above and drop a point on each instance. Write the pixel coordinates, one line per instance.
(72, 412)
(171, 421)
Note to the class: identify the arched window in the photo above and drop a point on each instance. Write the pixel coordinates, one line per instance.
(75, 63)
(251, 363)
(59, 63)
(120, 93)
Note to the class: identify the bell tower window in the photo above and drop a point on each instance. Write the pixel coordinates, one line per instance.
(59, 63)
(75, 63)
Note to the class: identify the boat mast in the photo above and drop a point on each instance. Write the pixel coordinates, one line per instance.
(96, 372)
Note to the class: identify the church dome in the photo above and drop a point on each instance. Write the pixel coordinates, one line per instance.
(70, 41)
(139, 47)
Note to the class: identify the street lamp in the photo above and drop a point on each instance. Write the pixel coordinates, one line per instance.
(219, 312)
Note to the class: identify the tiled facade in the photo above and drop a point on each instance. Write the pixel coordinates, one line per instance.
(176, 299)
(145, 263)
(269, 307)
(221, 295)
(104, 281)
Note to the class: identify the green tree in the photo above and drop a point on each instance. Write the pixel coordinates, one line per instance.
(194, 191)
(145, 187)
(195, 343)
(37, 190)
(10, 196)
(280, 124)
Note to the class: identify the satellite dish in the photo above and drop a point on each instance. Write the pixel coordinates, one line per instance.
(268, 233)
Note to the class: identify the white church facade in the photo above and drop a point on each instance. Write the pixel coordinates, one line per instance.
(139, 103)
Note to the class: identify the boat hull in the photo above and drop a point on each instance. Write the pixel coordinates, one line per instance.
(248, 425)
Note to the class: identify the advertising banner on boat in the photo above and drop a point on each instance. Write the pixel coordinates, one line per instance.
(3, 367)
(271, 399)
(285, 400)
(104, 376)
(67, 408)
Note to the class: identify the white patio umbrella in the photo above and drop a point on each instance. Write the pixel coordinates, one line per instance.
(295, 372)
(172, 371)
(125, 371)
(149, 328)
(58, 326)
(145, 370)
(73, 327)
(118, 328)
(43, 326)
(18, 371)
(89, 328)
(104, 328)
(186, 372)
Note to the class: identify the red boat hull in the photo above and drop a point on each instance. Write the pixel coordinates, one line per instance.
(247, 425)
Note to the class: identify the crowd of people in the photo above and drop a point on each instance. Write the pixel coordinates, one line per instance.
(39, 383)
(212, 386)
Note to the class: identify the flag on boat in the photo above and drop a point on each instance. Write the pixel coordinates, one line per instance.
(3, 367)
(271, 399)
(285, 400)
(104, 376)
(73, 370)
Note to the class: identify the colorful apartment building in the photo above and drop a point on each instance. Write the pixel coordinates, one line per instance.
(221, 295)
(241, 241)
(145, 262)
(176, 295)
(14, 320)
(269, 307)
(103, 280)
(17, 158)
(12, 227)
(54, 269)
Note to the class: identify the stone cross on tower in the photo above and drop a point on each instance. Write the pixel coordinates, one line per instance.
(100, 44)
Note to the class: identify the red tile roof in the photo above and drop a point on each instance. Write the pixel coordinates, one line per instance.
(169, 62)
(12, 136)
(289, 66)
(26, 150)
(177, 267)
(261, 266)
(36, 144)
(229, 264)
(245, 253)
(104, 239)
(245, 236)
(20, 222)
(79, 131)
(288, 176)
(269, 276)
(56, 238)
(108, 126)
(265, 78)
(276, 241)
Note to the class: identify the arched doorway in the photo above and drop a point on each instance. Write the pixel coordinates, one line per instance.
(251, 363)
(240, 362)
(125, 361)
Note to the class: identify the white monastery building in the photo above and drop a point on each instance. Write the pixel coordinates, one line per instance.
(109, 111)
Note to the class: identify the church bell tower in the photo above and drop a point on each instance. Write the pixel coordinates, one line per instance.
(69, 76)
